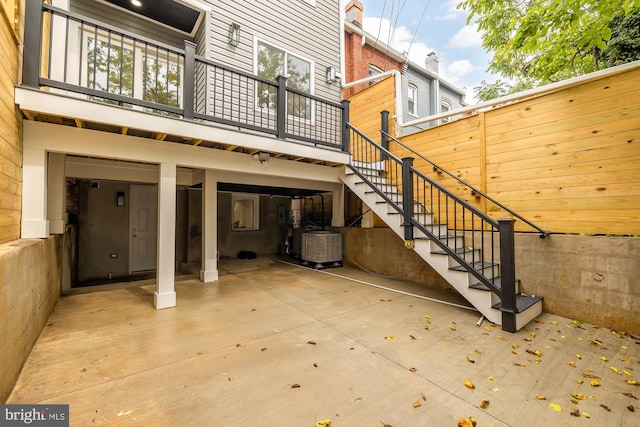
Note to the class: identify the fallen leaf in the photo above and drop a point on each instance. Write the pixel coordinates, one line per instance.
(604, 358)
(467, 422)
(412, 337)
(595, 342)
(428, 328)
(579, 396)
(632, 382)
(484, 404)
(477, 351)
(323, 423)
(500, 337)
(633, 396)
(452, 327)
(423, 397)
(538, 360)
(417, 404)
(263, 349)
(495, 390)
(575, 402)
(592, 397)
(595, 383)
(538, 321)
(295, 386)
(588, 375)
(522, 365)
(614, 369)
(605, 407)
(575, 412)
(629, 374)
(541, 397)
(426, 316)
(555, 407)
(412, 369)
(572, 363)
(554, 322)
(469, 384)
(584, 414)
(515, 346)
(578, 356)
(311, 342)
(631, 408)
(490, 377)
(470, 360)
(388, 337)
(315, 365)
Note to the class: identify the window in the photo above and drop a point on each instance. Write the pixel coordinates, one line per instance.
(412, 100)
(272, 62)
(445, 107)
(113, 66)
(374, 71)
(245, 211)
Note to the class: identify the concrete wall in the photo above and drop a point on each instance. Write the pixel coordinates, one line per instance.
(30, 280)
(594, 279)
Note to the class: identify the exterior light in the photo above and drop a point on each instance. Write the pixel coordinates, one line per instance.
(234, 34)
(331, 75)
(136, 3)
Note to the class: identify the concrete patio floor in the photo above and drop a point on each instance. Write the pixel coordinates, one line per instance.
(274, 344)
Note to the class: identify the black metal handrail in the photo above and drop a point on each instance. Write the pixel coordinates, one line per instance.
(444, 218)
(67, 51)
(474, 190)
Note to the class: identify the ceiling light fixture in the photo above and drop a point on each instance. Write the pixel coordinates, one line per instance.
(136, 3)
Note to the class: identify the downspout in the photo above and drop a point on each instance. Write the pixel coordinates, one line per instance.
(343, 67)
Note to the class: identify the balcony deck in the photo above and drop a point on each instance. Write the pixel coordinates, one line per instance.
(276, 344)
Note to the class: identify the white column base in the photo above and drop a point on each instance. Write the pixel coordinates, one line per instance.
(209, 276)
(56, 226)
(166, 300)
(35, 229)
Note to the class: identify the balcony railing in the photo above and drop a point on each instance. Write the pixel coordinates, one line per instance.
(81, 57)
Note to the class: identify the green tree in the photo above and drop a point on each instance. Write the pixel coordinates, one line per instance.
(536, 42)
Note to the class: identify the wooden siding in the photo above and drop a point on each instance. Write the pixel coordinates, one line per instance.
(366, 106)
(569, 161)
(312, 32)
(10, 128)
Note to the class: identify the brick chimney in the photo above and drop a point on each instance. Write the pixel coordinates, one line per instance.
(431, 63)
(354, 12)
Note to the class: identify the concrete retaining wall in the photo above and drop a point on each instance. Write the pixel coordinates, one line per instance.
(590, 278)
(30, 280)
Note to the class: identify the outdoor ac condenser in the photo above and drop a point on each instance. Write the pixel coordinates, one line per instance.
(321, 248)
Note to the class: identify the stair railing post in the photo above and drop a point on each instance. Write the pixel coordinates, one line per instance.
(188, 96)
(508, 273)
(32, 48)
(384, 127)
(281, 107)
(346, 135)
(407, 200)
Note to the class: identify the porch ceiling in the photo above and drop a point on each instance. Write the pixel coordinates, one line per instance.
(178, 137)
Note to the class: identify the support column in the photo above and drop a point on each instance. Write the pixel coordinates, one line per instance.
(56, 186)
(337, 216)
(209, 272)
(165, 295)
(34, 194)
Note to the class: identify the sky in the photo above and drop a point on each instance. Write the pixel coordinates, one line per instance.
(439, 28)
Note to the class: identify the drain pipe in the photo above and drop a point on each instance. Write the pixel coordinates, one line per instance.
(362, 282)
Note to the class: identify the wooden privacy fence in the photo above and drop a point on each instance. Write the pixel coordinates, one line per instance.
(569, 160)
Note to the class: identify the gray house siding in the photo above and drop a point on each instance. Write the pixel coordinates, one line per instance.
(305, 30)
(431, 93)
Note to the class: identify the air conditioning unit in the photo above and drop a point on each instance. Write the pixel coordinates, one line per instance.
(323, 248)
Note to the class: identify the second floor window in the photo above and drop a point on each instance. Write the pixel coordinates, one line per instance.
(445, 107)
(272, 62)
(412, 100)
(374, 71)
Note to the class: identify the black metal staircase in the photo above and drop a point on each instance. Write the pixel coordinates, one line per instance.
(472, 251)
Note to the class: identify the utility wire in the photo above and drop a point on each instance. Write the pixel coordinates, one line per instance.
(415, 34)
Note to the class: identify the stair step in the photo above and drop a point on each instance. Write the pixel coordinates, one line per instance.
(480, 265)
(523, 302)
(468, 254)
(497, 282)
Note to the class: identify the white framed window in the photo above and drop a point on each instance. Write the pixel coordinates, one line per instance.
(445, 107)
(374, 71)
(270, 63)
(113, 64)
(245, 212)
(412, 99)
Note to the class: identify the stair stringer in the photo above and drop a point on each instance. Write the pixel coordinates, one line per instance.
(482, 300)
